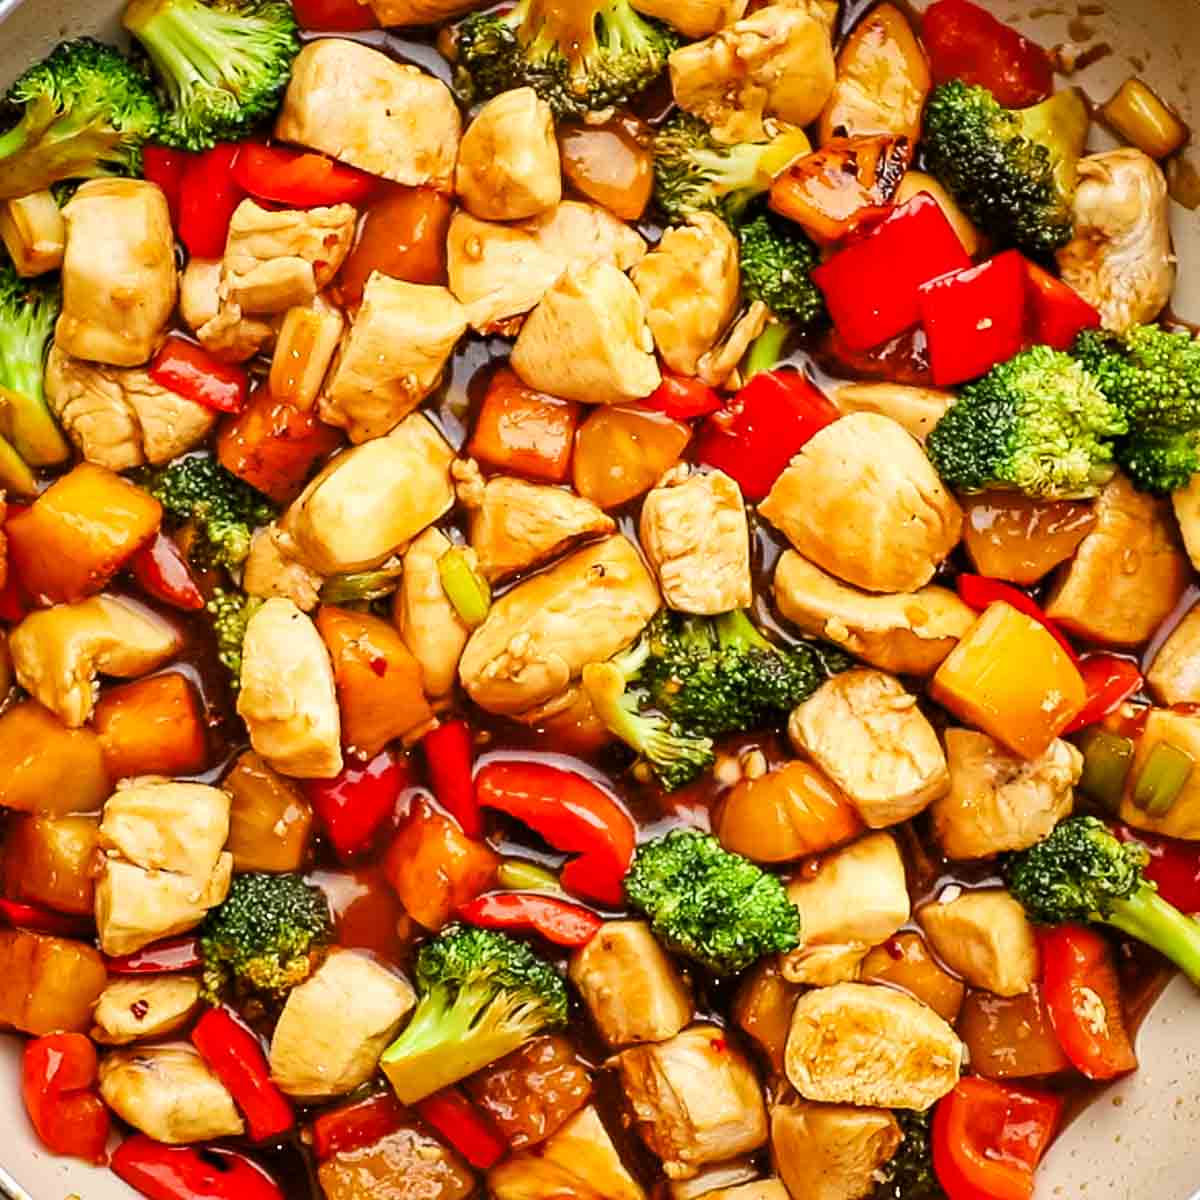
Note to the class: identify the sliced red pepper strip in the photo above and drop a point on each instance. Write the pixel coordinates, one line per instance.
(335, 16)
(467, 1128)
(187, 369)
(163, 1172)
(354, 807)
(978, 591)
(43, 920)
(58, 1084)
(299, 178)
(237, 1060)
(163, 572)
(573, 814)
(558, 921)
(1057, 313)
(165, 167)
(682, 398)
(168, 956)
(1110, 681)
(448, 754)
(208, 195)
(1174, 867)
(355, 1125)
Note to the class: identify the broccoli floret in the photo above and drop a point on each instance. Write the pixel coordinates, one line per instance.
(267, 936)
(717, 908)
(483, 995)
(1153, 377)
(230, 612)
(693, 172)
(224, 65)
(1082, 873)
(82, 112)
(777, 260)
(1038, 423)
(909, 1174)
(581, 57)
(28, 311)
(1013, 171)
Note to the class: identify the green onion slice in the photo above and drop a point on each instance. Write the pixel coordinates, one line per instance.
(1163, 776)
(465, 588)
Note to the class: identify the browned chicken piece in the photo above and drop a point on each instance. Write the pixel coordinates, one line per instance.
(539, 636)
(999, 801)
(48, 984)
(502, 271)
(118, 274)
(862, 501)
(689, 284)
(1174, 676)
(870, 737)
(917, 409)
(408, 1164)
(1186, 503)
(831, 1151)
(719, 367)
(269, 572)
(695, 1098)
(630, 985)
(365, 109)
(137, 1008)
(857, 1043)
(1182, 819)
(429, 624)
(694, 18)
(985, 937)
(736, 1180)
(906, 632)
(34, 233)
(223, 330)
(1128, 573)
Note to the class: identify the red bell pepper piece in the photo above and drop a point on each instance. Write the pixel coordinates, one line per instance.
(978, 591)
(989, 1137)
(1057, 312)
(165, 957)
(558, 921)
(164, 166)
(237, 1060)
(162, 571)
(871, 287)
(14, 605)
(1110, 681)
(448, 754)
(354, 807)
(43, 920)
(208, 194)
(355, 1125)
(1174, 867)
(573, 815)
(188, 370)
(1083, 997)
(335, 16)
(966, 42)
(467, 1128)
(682, 398)
(58, 1083)
(163, 1172)
(299, 178)
(974, 318)
(755, 436)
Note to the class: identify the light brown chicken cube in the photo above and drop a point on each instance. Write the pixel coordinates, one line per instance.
(429, 624)
(986, 938)
(269, 572)
(761, 1189)
(139, 1007)
(223, 330)
(1182, 819)
(917, 409)
(34, 233)
(1174, 675)
(831, 1151)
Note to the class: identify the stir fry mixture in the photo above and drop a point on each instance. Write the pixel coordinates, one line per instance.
(598, 599)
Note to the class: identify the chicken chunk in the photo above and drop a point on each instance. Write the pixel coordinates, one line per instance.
(168, 1093)
(856, 898)
(365, 109)
(34, 233)
(1128, 574)
(406, 1164)
(268, 572)
(695, 1098)
(287, 698)
(694, 18)
(1120, 260)
(118, 274)
(1182, 819)
(855, 1043)
(540, 635)
(367, 503)
(719, 367)
(917, 409)
(58, 652)
(502, 271)
(1174, 676)
(869, 736)
(999, 801)
(630, 985)
(223, 330)
(335, 1026)
(831, 1151)
(689, 284)
(140, 1007)
(906, 632)
(776, 63)
(986, 938)
(429, 624)
(761, 1189)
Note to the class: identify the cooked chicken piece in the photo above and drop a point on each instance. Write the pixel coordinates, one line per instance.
(719, 367)
(144, 1006)
(169, 1093)
(985, 937)
(689, 284)
(1182, 819)
(1121, 260)
(776, 63)
(540, 635)
(762, 1189)
(587, 340)
(855, 1043)
(392, 13)
(720, 1179)
(695, 1098)
(223, 330)
(508, 164)
(917, 409)
(855, 898)
(58, 652)
(406, 1164)
(831, 1151)
(118, 416)
(393, 356)
(502, 271)
(429, 624)
(268, 572)
(367, 503)
(579, 1161)
(1128, 573)
(868, 735)
(287, 698)
(1186, 503)
(1174, 676)
(118, 273)
(199, 291)
(694, 18)
(381, 116)
(630, 985)
(862, 501)
(570, 720)
(34, 233)
(335, 1026)
(907, 632)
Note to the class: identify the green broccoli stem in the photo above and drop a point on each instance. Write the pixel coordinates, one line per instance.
(1148, 917)
(735, 630)
(37, 118)
(179, 36)
(766, 350)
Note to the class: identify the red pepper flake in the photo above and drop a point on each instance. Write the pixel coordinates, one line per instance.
(719, 1045)
(379, 666)
(139, 1008)
(894, 949)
